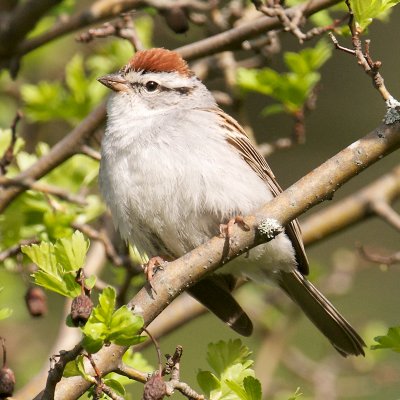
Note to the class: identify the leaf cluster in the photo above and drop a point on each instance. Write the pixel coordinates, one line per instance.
(389, 341)
(233, 377)
(58, 264)
(107, 325)
(290, 89)
(366, 11)
(38, 214)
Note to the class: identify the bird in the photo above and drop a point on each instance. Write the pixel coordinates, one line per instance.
(175, 168)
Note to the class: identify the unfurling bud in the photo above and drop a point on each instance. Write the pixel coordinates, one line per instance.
(36, 301)
(154, 388)
(176, 19)
(81, 308)
(7, 382)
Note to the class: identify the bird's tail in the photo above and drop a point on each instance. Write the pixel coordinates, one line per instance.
(321, 313)
(214, 292)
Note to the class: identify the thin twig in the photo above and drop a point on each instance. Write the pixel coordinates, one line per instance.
(292, 23)
(123, 28)
(363, 58)
(8, 155)
(173, 365)
(131, 373)
(90, 152)
(98, 382)
(379, 258)
(383, 209)
(157, 347)
(27, 183)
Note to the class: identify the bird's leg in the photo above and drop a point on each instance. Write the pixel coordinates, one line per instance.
(226, 229)
(151, 267)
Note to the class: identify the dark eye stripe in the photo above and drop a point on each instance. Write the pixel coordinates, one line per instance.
(161, 88)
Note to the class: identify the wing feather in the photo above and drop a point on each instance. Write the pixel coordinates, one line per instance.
(237, 137)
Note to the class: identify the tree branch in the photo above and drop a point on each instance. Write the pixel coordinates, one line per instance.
(352, 209)
(18, 24)
(104, 10)
(233, 38)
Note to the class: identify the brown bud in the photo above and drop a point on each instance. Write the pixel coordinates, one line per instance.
(7, 382)
(36, 301)
(81, 308)
(154, 388)
(176, 19)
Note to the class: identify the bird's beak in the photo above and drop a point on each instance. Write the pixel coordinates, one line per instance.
(114, 82)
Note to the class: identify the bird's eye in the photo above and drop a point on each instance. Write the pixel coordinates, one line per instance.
(151, 86)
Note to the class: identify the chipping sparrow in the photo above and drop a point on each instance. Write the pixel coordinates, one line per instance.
(175, 167)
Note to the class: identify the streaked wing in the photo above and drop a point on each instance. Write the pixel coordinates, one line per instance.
(237, 137)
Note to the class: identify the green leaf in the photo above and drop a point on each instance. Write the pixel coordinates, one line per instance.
(106, 325)
(92, 345)
(232, 366)
(58, 263)
(5, 313)
(75, 78)
(222, 355)
(252, 386)
(237, 389)
(273, 109)
(389, 341)
(43, 255)
(71, 369)
(365, 11)
(104, 310)
(115, 385)
(208, 382)
(71, 252)
(124, 327)
(81, 368)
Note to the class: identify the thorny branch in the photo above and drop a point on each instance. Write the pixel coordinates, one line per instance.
(122, 28)
(292, 23)
(57, 369)
(363, 57)
(173, 367)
